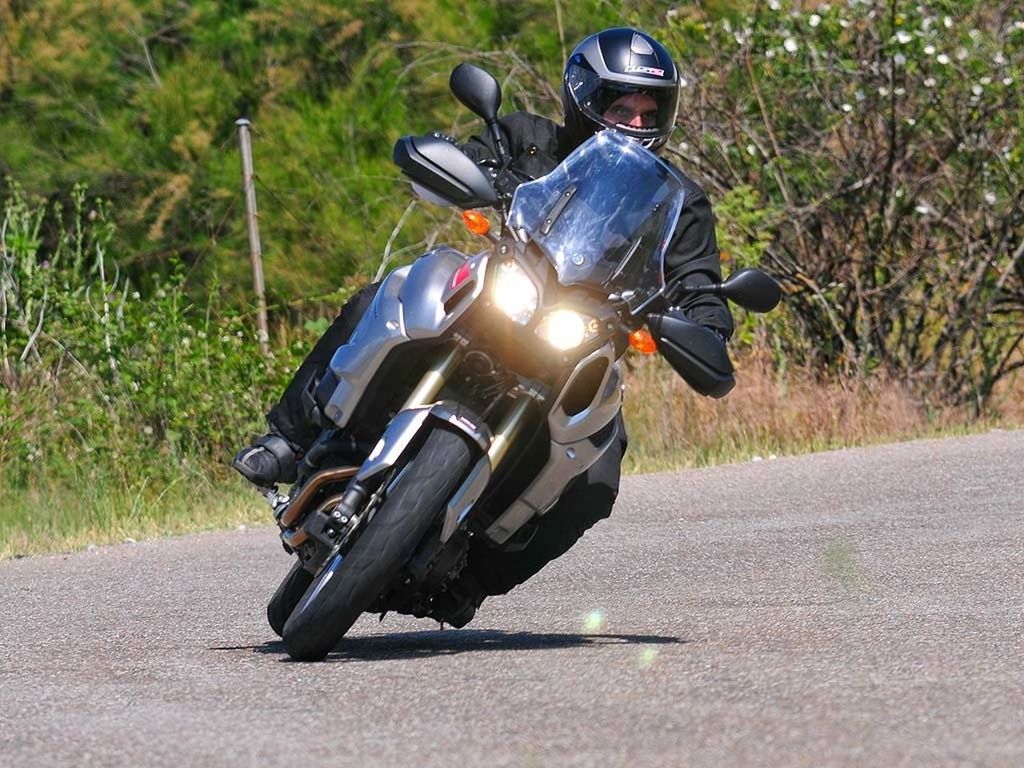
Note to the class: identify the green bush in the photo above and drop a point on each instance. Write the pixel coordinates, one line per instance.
(138, 100)
(868, 153)
(880, 145)
(101, 381)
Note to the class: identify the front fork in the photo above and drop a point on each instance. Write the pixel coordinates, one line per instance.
(329, 521)
(294, 518)
(434, 380)
(402, 432)
(479, 476)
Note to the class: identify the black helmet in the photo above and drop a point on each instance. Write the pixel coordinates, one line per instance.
(611, 66)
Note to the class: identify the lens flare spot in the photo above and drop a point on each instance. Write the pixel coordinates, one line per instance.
(594, 622)
(647, 657)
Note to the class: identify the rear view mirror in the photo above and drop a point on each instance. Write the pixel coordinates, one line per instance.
(444, 170)
(695, 353)
(477, 89)
(752, 289)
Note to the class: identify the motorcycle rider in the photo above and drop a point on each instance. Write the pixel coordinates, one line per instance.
(618, 79)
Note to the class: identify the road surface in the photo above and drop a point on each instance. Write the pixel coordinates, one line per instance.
(859, 607)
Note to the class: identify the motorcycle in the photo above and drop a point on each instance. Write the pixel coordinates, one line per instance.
(477, 386)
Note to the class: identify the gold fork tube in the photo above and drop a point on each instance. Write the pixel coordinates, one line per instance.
(506, 432)
(432, 381)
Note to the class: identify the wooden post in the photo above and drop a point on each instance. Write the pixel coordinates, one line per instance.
(252, 224)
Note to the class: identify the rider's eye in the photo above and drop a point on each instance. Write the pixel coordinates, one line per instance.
(621, 114)
(649, 118)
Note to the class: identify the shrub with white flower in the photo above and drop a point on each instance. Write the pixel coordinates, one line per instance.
(887, 183)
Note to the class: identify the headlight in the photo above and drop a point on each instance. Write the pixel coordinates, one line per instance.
(514, 292)
(563, 329)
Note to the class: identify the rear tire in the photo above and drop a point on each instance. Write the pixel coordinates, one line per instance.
(343, 590)
(287, 596)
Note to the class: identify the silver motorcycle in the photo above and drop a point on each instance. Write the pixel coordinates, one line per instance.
(476, 387)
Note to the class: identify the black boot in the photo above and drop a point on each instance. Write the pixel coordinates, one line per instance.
(270, 460)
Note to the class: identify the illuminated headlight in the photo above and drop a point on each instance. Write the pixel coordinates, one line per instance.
(563, 329)
(514, 292)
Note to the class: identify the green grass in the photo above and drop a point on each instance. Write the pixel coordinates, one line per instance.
(99, 459)
(63, 519)
(161, 492)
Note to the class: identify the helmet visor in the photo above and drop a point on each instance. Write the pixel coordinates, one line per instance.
(636, 110)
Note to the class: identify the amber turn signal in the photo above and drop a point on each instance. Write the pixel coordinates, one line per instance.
(476, 223)
(642, 341)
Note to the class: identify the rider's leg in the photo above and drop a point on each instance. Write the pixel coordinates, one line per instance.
(490, 571)
(293, 423)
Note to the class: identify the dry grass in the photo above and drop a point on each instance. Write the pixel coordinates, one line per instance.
(768, 413)
(1008, 401)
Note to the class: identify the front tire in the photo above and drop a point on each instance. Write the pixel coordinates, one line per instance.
(287, 596)
(347, 586)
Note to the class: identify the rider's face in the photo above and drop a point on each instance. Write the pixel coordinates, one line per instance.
(637, 110)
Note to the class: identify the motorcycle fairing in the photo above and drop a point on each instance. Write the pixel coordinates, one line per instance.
(604, 217)
(572, 449)
(569, 424)
(420, 302)
(410, 305)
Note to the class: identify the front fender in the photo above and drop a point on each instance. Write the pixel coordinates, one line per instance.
(404, 429)
(407, 429)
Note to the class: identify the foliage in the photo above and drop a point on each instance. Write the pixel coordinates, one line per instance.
(138, 100)
(102, 381)
(884, 142)
(869, 153)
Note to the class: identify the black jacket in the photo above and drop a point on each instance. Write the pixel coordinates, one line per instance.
(537, 145)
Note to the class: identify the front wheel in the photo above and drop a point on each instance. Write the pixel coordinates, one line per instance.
(287, 596)
(347, 586)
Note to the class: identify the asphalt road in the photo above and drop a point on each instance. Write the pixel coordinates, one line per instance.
(858, 607)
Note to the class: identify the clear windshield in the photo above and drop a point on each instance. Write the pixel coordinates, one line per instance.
(604, 217)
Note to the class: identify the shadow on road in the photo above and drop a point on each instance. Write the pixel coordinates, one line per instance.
(447, 642)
